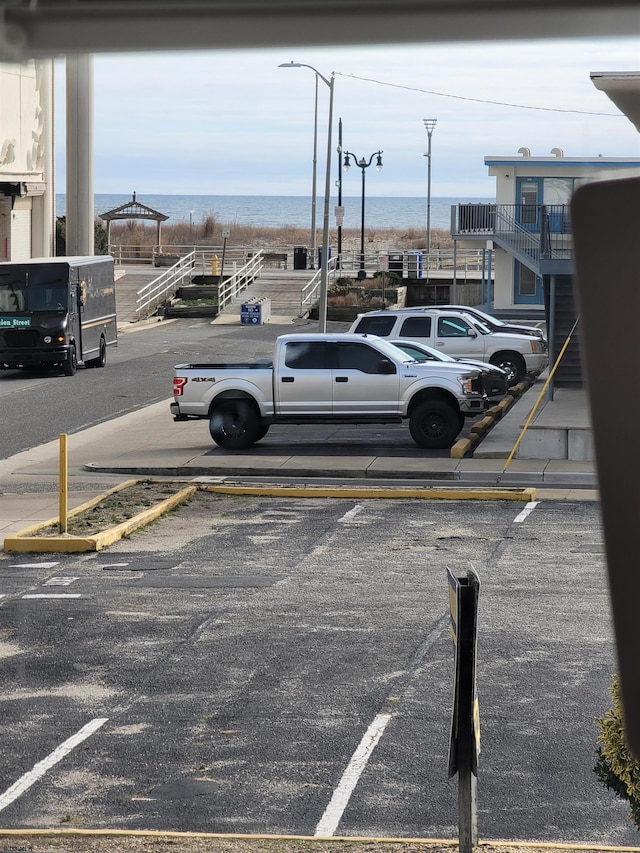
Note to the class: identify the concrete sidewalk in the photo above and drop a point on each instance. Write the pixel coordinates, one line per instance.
(148, 443)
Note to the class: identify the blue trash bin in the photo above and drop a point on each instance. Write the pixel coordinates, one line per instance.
(320, 255)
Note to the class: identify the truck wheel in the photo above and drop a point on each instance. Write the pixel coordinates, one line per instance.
(434, 424)
(234, 425)
(101, 360)
(513, 363)
(70, 365)
(264, 429)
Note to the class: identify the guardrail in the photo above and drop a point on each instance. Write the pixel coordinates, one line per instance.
(152, 294)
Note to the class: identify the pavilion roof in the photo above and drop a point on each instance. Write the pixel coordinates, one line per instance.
(133, 210)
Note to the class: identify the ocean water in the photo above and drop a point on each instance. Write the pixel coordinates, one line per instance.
(287, 210)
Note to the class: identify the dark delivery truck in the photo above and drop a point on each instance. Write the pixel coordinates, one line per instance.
(57, 313)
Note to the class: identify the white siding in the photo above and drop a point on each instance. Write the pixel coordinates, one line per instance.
(20, 243)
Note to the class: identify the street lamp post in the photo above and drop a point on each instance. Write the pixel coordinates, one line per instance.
(190, 224)
(324, 277)
(364, 165)
(429, 124)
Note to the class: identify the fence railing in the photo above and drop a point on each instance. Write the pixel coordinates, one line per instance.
(152, 294)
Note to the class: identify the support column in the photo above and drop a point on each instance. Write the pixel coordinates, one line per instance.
(80, 204)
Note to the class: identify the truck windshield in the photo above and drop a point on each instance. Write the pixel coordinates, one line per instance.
(49, 296)
(25, 294)
(12, 298)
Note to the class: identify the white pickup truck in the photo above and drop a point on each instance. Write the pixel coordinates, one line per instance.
(460, 335)
(324, 378)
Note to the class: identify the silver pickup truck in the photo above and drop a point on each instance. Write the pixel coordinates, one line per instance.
(324, 378)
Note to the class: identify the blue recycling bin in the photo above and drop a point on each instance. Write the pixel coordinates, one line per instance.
(320, 255)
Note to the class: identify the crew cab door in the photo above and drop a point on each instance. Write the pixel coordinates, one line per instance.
(364, 380)
(303, 381)
(458, 337)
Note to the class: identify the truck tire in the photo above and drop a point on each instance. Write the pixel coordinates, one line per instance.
(234, 424)
(70, 364)
(434, 424)
(101, 360)
(513, 363)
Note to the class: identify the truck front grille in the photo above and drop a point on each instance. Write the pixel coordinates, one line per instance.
(20, 338)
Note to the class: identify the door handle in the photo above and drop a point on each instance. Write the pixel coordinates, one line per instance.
(287, 379)
(342, 378)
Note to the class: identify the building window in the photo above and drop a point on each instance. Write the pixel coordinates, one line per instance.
(527, 282)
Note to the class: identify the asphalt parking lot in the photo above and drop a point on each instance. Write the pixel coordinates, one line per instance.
(239, 650)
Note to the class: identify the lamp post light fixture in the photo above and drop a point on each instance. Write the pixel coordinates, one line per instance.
(324, 278)
(364, 164)
(429, 124)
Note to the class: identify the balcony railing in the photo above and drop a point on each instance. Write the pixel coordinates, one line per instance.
(532, 233)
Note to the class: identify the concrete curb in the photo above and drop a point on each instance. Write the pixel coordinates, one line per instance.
(25, 541)
(423, 493)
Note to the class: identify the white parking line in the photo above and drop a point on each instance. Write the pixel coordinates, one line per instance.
(38, 770)
(53, 595)
(34, 565)
(338, 803)
(529, 508)
(349, 515)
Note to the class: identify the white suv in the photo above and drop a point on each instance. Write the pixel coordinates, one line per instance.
(458, 334)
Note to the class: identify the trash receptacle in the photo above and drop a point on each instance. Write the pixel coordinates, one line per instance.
(414, 264)
(320, 255)
(299, 257)
(396, 262)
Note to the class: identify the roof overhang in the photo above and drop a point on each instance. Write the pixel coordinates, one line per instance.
(623, 88)
(42, 28)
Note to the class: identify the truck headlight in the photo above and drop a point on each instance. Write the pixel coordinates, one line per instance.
(469, 383)
(537, 346)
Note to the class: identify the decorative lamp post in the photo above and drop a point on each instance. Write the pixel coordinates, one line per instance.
(190, 224)
(364, 165)
(324, 288)
(429, 124)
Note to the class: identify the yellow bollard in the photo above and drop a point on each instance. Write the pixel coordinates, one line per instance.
(215, 265)
(63, 483)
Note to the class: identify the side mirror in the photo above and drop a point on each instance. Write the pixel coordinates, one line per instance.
(386, 367)
(471, 333)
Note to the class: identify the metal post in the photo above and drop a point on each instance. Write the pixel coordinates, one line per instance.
(339, 182)
(314, 191)
(63, 466)
(363, 164)
(362, 273)
(324, 272)
(324, 287)
(429, 124)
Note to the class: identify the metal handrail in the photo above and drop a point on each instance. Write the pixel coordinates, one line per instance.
(155, 291)
(241, 278)
(310, 291)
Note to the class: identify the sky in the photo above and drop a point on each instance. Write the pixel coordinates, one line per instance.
(234, 123)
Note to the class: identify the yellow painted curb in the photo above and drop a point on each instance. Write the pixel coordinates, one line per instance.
(505, 404)
(463, 446)
(481, 426)
(424, 492)
(26, 542)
